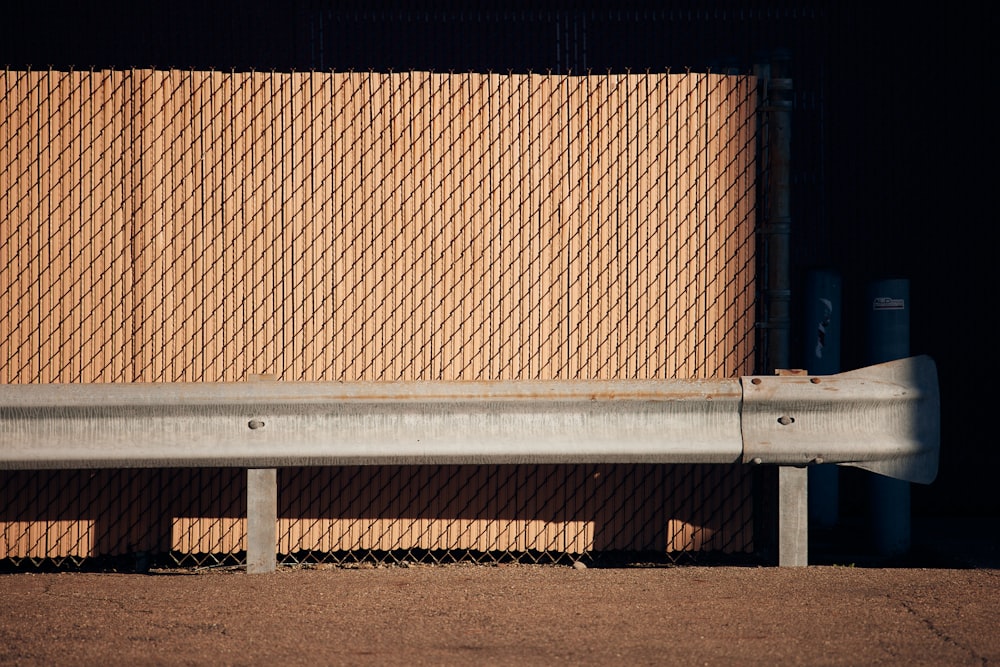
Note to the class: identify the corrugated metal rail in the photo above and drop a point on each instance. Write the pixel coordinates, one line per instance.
(884, 418)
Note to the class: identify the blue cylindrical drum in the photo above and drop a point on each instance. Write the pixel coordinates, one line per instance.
(888, 303)
(821, 338)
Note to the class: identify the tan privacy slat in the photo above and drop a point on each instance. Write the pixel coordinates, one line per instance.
(397, 200)
(206, 159)
(455, 278)
(29, 295)
(71, 248)
(631, 223)
(89, 296)
(602, 266)
(234, 212)
(269, 254)
(190, 291)
(207, 226)
(46, 315)
(350, 244)
(310, 208)
(412, 275)
(508, 285)
(462, 332)
(657, 329)
(683, 155)
(743, 235)
(117, 345)
(15, 164)
(46, 344)
(549, 178)
(189, 256)
(639, 226)
(714, 221)
(573, 212)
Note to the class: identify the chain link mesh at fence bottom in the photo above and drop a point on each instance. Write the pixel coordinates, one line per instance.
(391, 515)
(63, 518)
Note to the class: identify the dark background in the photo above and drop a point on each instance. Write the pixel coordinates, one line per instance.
(893, 133)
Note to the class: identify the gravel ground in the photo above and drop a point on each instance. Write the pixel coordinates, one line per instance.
(505, 615)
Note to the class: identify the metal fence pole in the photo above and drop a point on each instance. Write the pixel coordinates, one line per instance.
(777, 226)
(793, 517)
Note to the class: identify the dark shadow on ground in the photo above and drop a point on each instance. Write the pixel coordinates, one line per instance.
(936, 543)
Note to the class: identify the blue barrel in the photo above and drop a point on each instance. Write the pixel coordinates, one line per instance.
(888, 338)
(821, 338)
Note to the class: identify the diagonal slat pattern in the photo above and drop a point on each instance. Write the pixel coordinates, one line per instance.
(165, 226)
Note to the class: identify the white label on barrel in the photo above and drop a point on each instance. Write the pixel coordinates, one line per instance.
(888, 303)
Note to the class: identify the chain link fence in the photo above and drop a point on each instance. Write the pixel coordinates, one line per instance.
(187, 226)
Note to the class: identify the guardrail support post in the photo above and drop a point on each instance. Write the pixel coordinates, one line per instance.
(793, 516)
(262, 520)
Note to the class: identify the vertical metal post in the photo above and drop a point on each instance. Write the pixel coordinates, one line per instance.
(262, 520)
(889, 339)
(793, 506)
(821, 337)
(793, 516)
(762, 72)
(778, 223)
(262, 512)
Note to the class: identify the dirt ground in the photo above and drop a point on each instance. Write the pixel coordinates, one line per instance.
(505, 615)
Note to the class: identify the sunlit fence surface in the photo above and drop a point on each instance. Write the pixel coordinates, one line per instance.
(187, 226)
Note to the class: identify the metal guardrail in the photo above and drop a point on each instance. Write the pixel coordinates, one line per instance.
(884, 418)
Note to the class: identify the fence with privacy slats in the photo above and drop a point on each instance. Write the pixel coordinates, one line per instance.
(187, 226)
